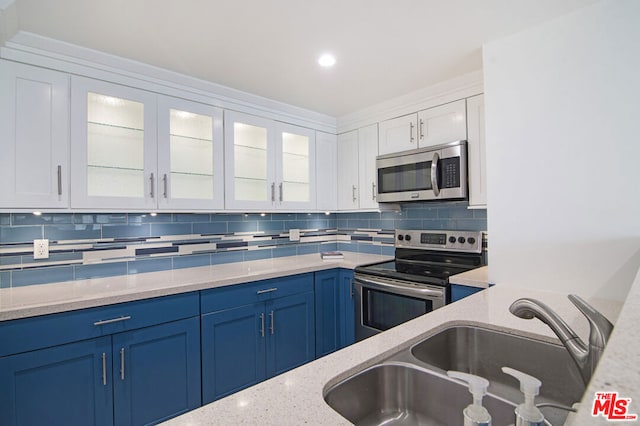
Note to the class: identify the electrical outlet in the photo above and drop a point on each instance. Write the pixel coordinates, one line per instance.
(294, 235)
(40, 249)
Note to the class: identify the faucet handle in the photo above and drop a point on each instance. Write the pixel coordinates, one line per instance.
(600, 327)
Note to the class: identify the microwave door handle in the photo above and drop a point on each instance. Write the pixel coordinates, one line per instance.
(434, 174)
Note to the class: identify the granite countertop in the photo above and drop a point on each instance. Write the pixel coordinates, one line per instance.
(296, 397)
(27, 301)
(478, 277)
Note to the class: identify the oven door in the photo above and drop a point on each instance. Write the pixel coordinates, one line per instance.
(382, 303)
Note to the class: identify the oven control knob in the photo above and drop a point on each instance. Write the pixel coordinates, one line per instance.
(471, 240)
(461, 240)
(407, 237)
(401, 237)
(452, 239)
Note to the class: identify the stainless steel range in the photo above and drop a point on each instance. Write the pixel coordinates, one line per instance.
(416, 281)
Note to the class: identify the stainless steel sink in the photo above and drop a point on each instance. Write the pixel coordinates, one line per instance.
(405, 394)
(411, 386)
(484, 352)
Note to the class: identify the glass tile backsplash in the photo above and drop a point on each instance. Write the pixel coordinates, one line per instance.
(92, 245)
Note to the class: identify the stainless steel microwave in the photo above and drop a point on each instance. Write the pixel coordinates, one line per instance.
(435, 173)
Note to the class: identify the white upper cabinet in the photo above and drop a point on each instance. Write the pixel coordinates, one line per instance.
(326, 172)
(433, 126)
(348, 180)
(476, 151)
(34, 137)
(367, 153)
(269, 165)
(357, 180)
(398, 134)
(113, 146)
(442, 124)
(190, 155)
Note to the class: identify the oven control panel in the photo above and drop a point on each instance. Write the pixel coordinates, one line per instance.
(462, 241)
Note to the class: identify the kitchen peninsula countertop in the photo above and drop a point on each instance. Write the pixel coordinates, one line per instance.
(296, 397)
(41, 299)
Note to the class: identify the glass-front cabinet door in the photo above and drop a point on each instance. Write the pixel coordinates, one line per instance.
(269, 165)
(249, 152)
(113, 141)
(295, 167)
(190, 155)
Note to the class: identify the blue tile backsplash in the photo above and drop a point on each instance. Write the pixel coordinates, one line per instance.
(92, 245)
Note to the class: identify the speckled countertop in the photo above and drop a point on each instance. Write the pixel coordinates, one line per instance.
(21, 302)
(296, 397)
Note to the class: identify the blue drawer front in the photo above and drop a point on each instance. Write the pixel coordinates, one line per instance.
(243, 294)
(49, 330)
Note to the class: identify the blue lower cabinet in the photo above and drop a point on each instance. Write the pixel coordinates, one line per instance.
(66, 385)
(156, 372)
(334, 310)
(461, 291)
(250, 342)
(127, 364)
(233, 350)
(290, 332)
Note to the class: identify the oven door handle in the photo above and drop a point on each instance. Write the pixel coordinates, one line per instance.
(400, 288)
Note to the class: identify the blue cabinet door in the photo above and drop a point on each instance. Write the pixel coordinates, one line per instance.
(290, 330)
(328, 300)
(335, 310)
(64, 385)
(233, 350)
(156, 372)
(347, 309)
(461, 291)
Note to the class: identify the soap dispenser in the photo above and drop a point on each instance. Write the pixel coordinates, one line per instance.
(475, 414)
(527, 414)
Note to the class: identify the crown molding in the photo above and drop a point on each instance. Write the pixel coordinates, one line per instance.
(55, 54)
(461, 87)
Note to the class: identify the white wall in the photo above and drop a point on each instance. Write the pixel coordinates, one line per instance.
(563, 152)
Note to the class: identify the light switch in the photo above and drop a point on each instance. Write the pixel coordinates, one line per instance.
(294, 235)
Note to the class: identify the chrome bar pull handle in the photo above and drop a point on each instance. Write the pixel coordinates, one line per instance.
(152, 192)
(273, 327)
(122, 364)
(373, 191)
(164, 181)
(59, 179)
(421, 130)
(262, 324)
(268, 290)
(280, 187)
(110, 321)
(353, 193)
(104, 369)
(434, 174)
(411, 126)
(273, 192)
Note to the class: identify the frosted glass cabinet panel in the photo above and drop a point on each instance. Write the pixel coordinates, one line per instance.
(115, 147)
(113, 141)
(250, 161)
(190, 160)
(295, 168)
(269, 165)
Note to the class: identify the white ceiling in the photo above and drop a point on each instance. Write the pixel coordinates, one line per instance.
(384, 48)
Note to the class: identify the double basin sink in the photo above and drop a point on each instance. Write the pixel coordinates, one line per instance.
(411, 386)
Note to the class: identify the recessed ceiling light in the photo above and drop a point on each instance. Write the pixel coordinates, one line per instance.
(327, 60)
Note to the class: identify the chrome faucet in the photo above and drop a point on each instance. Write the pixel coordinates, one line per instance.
(585, 357)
